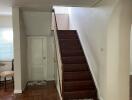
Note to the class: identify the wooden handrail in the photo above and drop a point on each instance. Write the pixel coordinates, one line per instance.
(55, 18)
(58, 54)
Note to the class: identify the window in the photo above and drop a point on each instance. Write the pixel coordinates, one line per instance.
(6, 44)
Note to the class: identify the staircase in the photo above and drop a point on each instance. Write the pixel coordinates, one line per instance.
(77, 79)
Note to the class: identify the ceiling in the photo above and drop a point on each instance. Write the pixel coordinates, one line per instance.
(6, 5)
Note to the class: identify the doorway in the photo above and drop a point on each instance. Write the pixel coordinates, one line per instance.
(37, 58)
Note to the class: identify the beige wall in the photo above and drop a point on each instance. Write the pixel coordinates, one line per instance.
(104, 30)
(118, 51)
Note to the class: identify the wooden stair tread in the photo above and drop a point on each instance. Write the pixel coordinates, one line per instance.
(67, 32)
(78, 85)
(72, 53)
(64, 44)
(74, 60)
(75, 67)
(71, 41)
(85, 94)
(68, 36)
(77, 76)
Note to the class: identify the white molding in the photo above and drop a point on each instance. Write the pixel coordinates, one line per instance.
(58, 87)
(17, 91)
(59, 94)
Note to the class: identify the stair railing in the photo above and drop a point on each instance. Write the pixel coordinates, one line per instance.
(58, 54)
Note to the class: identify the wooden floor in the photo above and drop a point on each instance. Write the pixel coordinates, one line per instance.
(46, 92)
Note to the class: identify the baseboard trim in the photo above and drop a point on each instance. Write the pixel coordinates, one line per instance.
(17, 91)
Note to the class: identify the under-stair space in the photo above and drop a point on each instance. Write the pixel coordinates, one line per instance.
(77, 78)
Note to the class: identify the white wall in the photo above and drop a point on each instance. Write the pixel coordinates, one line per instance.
(118, 55)
(17, 51)
(51, 58)
(62, 21)
(20, 64)
(5, 21)
(98, 28)
(23, 47)
(61, 10)
(131, 51)
(91, 24)
(37, 22)
(62, 16)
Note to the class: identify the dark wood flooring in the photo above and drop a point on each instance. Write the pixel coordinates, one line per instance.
(46, 92)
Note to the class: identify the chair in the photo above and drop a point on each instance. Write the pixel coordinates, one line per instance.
(6, 74)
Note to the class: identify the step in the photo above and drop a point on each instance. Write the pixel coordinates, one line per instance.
(67, 32)
(70, 41)
(67, 36)
(74, 60)
(75, 67)
(77, 76)
(66, 53)
(69, 44)
(78, 85)
(86, 94)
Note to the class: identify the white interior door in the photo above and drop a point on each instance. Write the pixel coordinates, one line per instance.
(37, 58)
